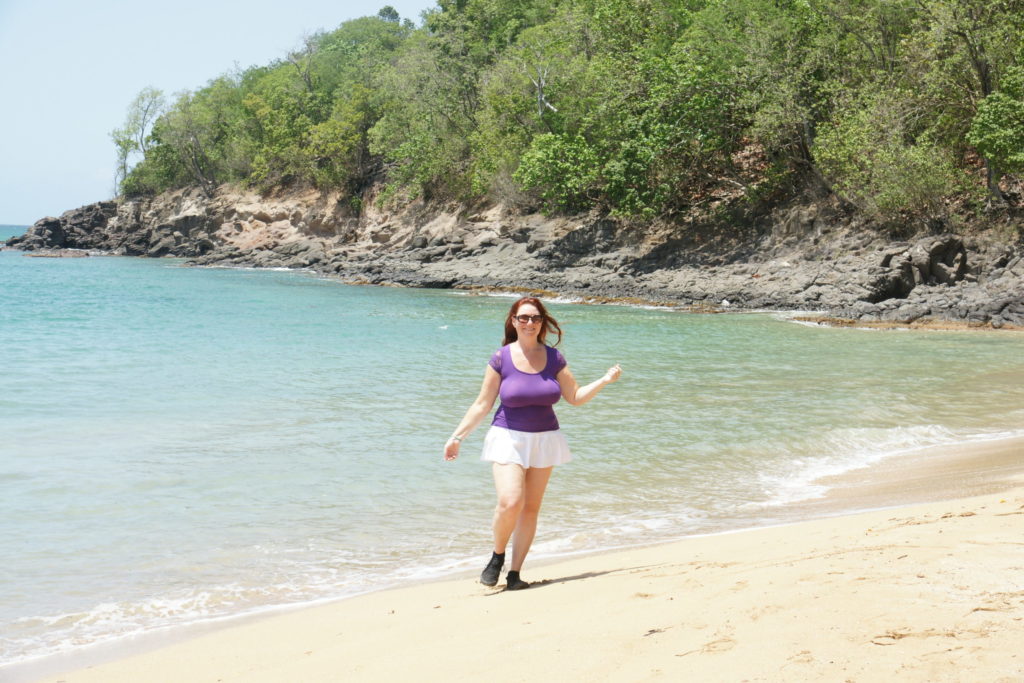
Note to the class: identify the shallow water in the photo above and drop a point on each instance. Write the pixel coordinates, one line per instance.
(183, 443)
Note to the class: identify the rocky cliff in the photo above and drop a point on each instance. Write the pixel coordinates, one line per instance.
(810, 256)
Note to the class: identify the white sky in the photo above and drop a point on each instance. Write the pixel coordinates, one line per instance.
(69, 69)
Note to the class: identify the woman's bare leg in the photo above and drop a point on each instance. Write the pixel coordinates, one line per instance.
(510, 484)
(535, 482)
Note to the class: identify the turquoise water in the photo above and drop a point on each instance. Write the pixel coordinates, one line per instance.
(181, 444)
(9, 231)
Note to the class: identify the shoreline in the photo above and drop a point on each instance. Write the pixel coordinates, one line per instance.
(931, 477)
(799, 258)
(682, 305)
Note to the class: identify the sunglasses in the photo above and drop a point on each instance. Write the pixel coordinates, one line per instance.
(530, 318)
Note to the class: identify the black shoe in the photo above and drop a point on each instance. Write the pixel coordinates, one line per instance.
(489, 576)
(514, 583)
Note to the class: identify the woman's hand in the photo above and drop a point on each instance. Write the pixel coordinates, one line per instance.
(613, 374)
(451, 449)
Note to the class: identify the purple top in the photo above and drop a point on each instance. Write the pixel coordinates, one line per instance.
(527, 397)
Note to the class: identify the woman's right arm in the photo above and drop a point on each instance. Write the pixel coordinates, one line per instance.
(477, 412)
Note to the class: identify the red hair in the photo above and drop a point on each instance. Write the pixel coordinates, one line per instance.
(549, 323)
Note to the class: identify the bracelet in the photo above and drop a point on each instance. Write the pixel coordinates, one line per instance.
(456, 439)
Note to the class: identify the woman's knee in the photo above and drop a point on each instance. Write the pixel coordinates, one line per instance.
(530, 507)
(510, 503)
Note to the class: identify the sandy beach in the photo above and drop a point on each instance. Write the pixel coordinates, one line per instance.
(930, 591)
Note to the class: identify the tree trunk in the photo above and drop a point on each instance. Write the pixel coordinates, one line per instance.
(992, 176)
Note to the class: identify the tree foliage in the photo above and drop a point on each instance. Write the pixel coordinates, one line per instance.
(134, 137)
(637, 107)
(879, 162)
(998, 128)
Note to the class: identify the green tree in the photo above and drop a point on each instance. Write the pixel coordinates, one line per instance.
(132, 139)
(283, 109)
(874, 160)
(202, 128)
(998, 128)
(434, 87)
(958, 54)
(564, 171)
(389, 13)
(539, 85)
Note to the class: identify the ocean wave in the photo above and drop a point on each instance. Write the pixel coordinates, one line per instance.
(847, 450)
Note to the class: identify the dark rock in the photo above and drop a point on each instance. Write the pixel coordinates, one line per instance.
(203, 245)
(896, 282)
(446, 283)
(907, 313)
(941, 260)
(594, 237)
(82, 228)
(1013, 312)
(46, 233)
(431, 253)
(297, 247)
(161, 247)
(296, 262)
(518, 235)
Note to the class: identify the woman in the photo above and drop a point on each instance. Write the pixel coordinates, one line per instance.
(524, 441)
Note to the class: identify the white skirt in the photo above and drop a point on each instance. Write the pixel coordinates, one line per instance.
(527, 449)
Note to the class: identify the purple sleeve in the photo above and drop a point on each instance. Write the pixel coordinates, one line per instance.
(560, 361)
(495, 361)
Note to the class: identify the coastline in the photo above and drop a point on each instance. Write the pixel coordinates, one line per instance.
(812, 257)
(921, 585)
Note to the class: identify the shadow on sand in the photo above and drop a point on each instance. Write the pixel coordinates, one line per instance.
(575, 577)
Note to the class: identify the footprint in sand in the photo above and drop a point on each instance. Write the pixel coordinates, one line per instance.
(721, 645)
(763, 611)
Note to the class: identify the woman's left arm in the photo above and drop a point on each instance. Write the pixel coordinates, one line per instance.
(577, 395)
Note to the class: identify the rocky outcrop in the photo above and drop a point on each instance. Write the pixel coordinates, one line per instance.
(944, 277)
(76, 229)
(809, 257)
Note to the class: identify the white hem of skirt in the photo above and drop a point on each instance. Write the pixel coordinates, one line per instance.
(526, 449)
